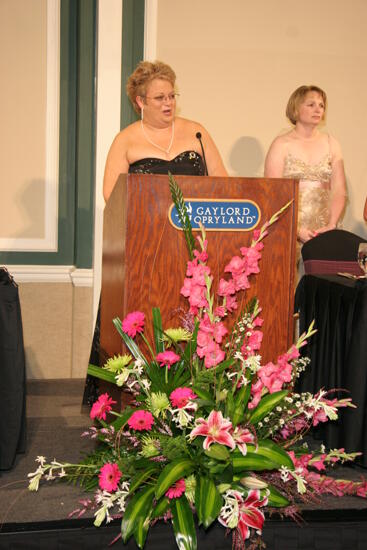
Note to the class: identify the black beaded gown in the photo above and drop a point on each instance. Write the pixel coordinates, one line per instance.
(187, 163)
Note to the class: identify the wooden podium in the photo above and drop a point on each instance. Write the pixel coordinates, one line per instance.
(145, 256)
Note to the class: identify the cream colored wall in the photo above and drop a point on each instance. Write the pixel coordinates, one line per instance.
(238, 61)
(57, 329)
(23, 32)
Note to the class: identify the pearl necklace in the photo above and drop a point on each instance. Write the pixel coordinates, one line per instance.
(166, 151)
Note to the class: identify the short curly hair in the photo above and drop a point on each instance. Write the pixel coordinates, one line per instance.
(144, 73)
(298, 96)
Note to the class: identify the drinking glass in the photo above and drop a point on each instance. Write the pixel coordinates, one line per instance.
(362, 257)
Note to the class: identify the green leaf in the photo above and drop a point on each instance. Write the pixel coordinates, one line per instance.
(253, 461)
(204, 395)
(266, 405)
(129, 341)
(241, 398)
(208, 501)
(141, 530)
(219, 452)
(161, 507)
(180, 205)
(122, 419)
(191, 345)
(140, 477)
(183, 524)
(177, 469)
(157, 329)
(138, 509)
(275, 498)
(275, 453)
(102, 374)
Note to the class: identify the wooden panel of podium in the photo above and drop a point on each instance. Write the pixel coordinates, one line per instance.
(145, 256)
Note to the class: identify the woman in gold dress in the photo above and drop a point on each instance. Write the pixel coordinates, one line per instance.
(313, 157)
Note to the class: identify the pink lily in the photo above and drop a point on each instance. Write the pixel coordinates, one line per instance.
(249, 513)
(216, 430)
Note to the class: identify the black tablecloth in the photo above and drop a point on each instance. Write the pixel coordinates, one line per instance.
(338, 353)
(12, 374)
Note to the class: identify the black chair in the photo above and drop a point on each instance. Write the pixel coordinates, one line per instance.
(332, 252)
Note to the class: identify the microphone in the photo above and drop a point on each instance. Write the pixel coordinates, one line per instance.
(198, 135)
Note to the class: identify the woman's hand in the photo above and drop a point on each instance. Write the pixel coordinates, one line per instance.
(304, 234)
(328, 227)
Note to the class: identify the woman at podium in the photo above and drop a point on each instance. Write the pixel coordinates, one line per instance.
(159, 142)
(315, 159)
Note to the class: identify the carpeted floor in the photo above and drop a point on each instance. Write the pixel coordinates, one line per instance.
(54, 426)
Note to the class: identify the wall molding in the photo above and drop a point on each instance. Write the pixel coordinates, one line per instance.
(51, 274)
(150, 30)
(48, 243)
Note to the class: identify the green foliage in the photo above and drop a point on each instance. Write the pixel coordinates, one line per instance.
(179, 203)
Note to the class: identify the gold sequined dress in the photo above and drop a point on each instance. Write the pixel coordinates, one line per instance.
(314, 190)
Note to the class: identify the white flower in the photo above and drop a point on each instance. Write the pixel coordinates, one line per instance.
(41, 459)
(230, 510)
(34, 482)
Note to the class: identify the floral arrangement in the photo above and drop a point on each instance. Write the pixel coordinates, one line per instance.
(210, 431)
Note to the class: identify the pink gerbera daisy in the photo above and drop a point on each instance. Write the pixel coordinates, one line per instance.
(141, 420)
(133, 323)
(181, 396)
(109, 477)
(177, 489)
(102, 406)
(167, 358)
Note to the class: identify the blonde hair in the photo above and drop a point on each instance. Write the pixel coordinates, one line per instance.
(144, 73)
(298, 97)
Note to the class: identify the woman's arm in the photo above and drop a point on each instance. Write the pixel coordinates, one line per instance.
(116, 163)
(274, 161)
(338, 187)
(212, 156)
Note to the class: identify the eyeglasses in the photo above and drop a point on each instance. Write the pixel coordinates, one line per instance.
(162, 98)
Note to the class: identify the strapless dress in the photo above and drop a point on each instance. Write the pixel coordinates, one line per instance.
(188, 163)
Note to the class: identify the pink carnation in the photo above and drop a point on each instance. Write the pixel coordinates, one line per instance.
(102, 406)
(133, 323)
(141, 420)
(177, 489)
(167, 358)
(181, 396)
(109, 477)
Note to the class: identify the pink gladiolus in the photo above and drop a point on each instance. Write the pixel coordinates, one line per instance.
(177, 489)
(141, 420)
(220, 311)
(273, 377)
(319, 464)
(226, 288)
(236, 266)
(242, 436)
(109, 477)
(215, 430)
(256, 391)
(180, 397)
(212, 353)
(249, 513)
(241, 282)
(102, 406)
(231, 303)
(133, 323)
(167, 358)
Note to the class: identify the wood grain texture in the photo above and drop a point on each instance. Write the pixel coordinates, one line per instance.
(144, 256)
